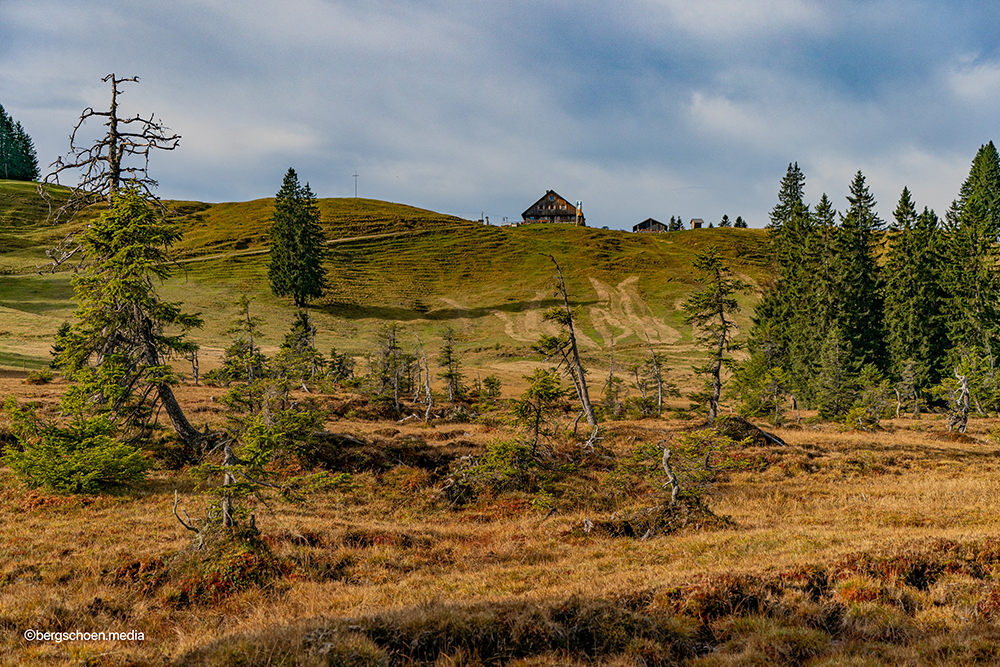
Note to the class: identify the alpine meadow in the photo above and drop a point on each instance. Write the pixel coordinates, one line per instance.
(342, 431)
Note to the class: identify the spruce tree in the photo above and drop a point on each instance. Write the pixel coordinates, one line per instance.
(783, 314)
(971, 279)
(295, 267)
(18, 161)
(834, 386)
(711, 311)
(859, 314)
(123, 325)
(973, 223)
(915, 334)
(26, 162)
(789, 196)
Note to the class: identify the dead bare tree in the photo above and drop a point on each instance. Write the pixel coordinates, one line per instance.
(121, 154)
(959, 418)
(114, 170)
(427, 384)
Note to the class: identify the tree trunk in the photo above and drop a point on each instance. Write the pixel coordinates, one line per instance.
(576, 366)
(188, 433)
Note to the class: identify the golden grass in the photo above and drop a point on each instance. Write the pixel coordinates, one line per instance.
(388, 542)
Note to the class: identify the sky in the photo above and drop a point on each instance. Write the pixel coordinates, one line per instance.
(638, 108)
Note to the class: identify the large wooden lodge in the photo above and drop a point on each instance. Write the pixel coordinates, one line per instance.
(553, 208)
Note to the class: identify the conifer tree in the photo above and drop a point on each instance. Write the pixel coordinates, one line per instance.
(915, 333)
(859, 315)
(710, 310)
(18, 161)
(295, 267)
(448, 360)
(27, 161)
(973, 224)
(122, 323)
(784, 309)
(834, 386)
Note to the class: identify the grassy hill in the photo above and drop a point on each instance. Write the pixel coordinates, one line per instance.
(392, 262)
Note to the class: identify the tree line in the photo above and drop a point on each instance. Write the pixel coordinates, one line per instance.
(18, 161)
(860, 312)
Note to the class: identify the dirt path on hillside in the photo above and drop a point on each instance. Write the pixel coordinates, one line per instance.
(527, 325)
(620, 307)
(624, 309)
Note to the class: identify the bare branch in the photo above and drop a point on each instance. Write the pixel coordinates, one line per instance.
(121, 154)
(187, 524)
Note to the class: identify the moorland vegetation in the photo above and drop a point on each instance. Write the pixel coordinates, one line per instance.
(382, 505)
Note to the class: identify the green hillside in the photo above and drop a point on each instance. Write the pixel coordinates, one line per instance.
(392, 262)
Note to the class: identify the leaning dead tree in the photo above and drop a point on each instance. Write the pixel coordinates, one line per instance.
(123, 326)
(121, 154)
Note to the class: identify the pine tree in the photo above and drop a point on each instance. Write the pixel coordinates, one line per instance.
(725, 222)
(915, 332)
(710, 310)
(972, 254)
(859, 315)
(26, 163)
(740, 223)
(295, 267)
(784, 309)
(18, 161)
(122, 323)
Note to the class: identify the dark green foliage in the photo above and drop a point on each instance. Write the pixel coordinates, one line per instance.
(789, 197)
(298, 360)
(740, 223)
(858, 287)
(725, 222)
(970, 274)
(59, 344)
(761, 386)
(340, 367)
(18, 161)
(785, 309)
(834, 382)
(79, 455)
(676, 224)
(295, 267)
(915, 328)
(263, 423)
(821, 319)
(492, 386)
(874, 399)
(121, 323)
(535, 407)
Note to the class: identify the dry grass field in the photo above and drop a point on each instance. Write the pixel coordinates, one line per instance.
(842, 548)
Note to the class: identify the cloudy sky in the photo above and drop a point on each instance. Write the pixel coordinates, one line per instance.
(637, 107)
